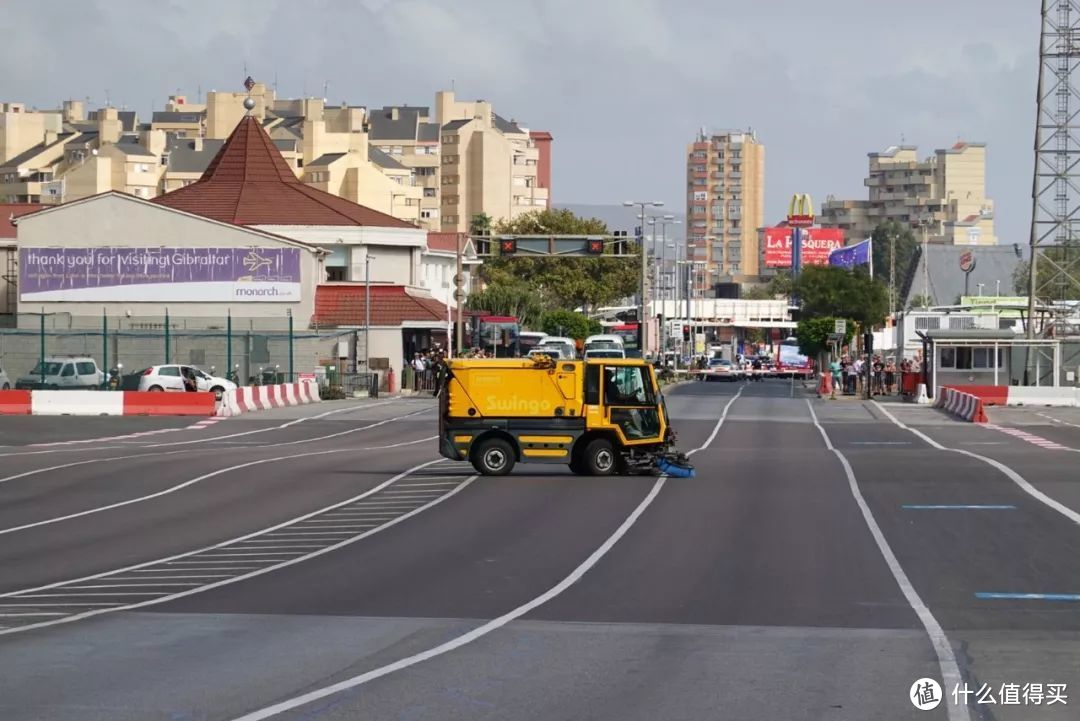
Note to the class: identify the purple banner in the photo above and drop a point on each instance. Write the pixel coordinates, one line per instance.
(209, 274)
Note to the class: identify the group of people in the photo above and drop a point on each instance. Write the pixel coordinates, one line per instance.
(849, 374)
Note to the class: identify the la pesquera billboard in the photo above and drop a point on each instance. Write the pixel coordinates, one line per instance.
(817, 243)
(154, 275)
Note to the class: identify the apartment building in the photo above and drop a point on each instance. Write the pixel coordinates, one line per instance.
(945, 193)
(391, 159)
(76, 157)
(725, 205)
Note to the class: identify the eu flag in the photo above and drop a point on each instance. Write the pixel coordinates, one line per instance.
(852, 255)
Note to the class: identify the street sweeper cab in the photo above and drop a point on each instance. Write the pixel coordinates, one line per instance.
(598, 417)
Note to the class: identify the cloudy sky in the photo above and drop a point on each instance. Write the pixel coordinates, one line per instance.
(623, 85)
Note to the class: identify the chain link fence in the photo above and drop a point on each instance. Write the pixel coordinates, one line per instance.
(248, 350)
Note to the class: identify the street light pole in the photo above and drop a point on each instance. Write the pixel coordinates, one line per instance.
(367, 311)
(642, 280)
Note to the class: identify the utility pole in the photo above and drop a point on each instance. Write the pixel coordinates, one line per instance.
(892, 273)
(643, 282)
(1055, 201)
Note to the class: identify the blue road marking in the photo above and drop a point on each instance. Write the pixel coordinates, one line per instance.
(959, 508)
(1028, 596)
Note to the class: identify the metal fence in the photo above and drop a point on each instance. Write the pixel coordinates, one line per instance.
(250, 350)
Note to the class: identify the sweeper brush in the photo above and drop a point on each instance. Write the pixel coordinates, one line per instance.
(675, 466)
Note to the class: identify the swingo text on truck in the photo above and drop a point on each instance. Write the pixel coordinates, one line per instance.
(599, 417)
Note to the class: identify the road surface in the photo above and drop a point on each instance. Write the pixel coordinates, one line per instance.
(324, 563)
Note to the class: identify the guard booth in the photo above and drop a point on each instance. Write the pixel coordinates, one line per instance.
(986, 357)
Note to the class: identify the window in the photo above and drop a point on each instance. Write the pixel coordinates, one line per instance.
(69, 370)
(336, 274)
(592, 385)
(927, 323)
(169, 371)
(422, 172)
(429, 213)
(396, 150)
(698, 209)
(699, 181)
(429, 192)
(627, 387)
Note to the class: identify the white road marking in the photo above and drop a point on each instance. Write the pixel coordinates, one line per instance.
(132, 585)
(494, 624)
(248, 574)
(185, 484)
(950, 670)
(1009, 472)
(61, 467)
(213, 439)
(1058, 420)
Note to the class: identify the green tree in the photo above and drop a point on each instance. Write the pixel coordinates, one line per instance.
(907, 246)
(1058, 270)
(813, 335)
(758, 292)
(832, 292)
(563, 283)
(515, 299)
(569, 324)
(920, 301)
(480, 224)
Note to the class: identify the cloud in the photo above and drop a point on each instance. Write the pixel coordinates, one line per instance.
(623, 85)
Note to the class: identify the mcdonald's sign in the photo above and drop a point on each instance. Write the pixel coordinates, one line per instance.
(800, 211)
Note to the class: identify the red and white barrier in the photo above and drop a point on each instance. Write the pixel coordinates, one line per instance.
(106, 403)
(260, 398)
(1022, 395)
(963, 405)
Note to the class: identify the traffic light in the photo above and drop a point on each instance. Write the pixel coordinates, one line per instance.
(686, 333)
(508, 246)
(595, 246)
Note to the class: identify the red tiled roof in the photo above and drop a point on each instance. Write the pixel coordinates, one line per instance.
(446, 242)
(391, 305)
(9, 210)
(249, 183)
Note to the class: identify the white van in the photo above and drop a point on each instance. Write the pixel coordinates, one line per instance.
(63, 373)
(567, 347)
(604, 341)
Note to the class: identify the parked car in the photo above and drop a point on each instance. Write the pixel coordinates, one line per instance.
(721, 369)
(170, 378)
(63, 373)
(565, 345)
(5, 384)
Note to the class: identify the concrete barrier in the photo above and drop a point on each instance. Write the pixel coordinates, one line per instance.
(145, 403)
(15, 403)
(989, 395)
(962, 405)
(250, 399)
(76, 403)
(1032, 396)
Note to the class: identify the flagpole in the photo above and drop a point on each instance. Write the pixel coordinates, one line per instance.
(870, 242)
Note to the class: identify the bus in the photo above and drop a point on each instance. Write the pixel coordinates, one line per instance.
(628, 332)
(790, 362)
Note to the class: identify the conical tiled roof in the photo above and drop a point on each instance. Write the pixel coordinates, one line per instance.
(249, 183)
